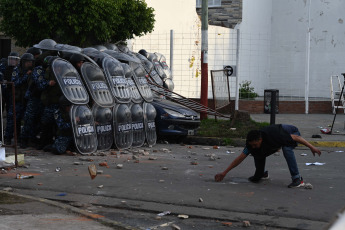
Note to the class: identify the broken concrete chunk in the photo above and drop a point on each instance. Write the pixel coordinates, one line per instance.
(119, 166)
(8, 189)
(246, 223)
(93, 171)
(175, 227)
(308, 186)
(183, 216)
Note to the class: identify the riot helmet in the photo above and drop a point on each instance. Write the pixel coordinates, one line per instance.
(13, 59)
(77, 60)
(110, 46)
(34, 51)
(27, 61)
(143, 52)
(123, 48)
(46, 44)
(100, 47)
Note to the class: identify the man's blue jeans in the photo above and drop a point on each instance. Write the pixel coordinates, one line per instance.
(291, 161)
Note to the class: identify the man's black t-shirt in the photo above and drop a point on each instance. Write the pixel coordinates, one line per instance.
(273, 138)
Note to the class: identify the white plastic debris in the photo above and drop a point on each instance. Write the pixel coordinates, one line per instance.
(315, 163)
(164, 213)
(303, 154)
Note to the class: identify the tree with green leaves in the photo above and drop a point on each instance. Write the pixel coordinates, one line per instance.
(75, 22)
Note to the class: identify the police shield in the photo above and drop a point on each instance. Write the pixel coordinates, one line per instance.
(140, 80)
(85, 136)
(117, 80)
(162, 60)
(137, 125)
(122, 124)
(150, 70)
(150, 125)
(97, 85)
(70, 82)
(103, 117)
(135, 95)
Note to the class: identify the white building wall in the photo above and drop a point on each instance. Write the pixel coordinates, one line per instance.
(255, 44)
(181, 17)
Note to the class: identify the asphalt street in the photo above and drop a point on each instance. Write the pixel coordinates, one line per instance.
(180, 179)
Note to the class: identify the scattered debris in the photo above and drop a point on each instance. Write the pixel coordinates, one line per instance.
(315, 163)
(161, 181)
(77, 163)
(175, 227)
(205, 148)
(246, 223)
(100, 186)
(119, 166)
(20, 176)
(304, 154)
(193, 153)
(228, 224)
(316, 136)
(164, 168)
(92, 171)
(99, 171)
(135, 157)
(152, 158)
(194, 163)
(215, 147)
(164, 213)
(339, 151)
(325, 131)
(213, 157)
(181, 216)
(7, 189)
(201, 200)
(58, 169)
(308, 186)
(190, 147)
(39, 184)
(105, 164)
(232, 129)
(86, 159)
(165, 150)
(62, 194)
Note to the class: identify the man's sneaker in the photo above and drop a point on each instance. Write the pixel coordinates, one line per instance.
(265, 176)
(256, 179)
(298, 182)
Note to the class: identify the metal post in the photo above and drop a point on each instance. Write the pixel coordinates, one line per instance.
(204, 57)
(237, 69)
(273, 107)
(171, 51)
(307, 77)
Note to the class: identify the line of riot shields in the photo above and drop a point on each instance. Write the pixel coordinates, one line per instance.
(110, 94)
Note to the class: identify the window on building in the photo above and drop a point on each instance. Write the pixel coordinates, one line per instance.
(211, 3)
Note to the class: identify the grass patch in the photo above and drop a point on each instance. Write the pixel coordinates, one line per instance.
(221, 128)
(12, 199)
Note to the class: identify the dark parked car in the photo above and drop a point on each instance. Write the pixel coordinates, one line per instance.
(174, 119)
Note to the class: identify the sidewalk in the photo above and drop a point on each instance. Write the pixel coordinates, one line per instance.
(311, 124)
(19, 211)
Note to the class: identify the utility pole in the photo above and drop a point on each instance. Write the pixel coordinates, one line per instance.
(204, 57)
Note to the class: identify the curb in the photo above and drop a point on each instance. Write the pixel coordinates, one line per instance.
(238, 142)
(95, 217)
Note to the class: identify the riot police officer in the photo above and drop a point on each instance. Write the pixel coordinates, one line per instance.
(50, 95)
(64, 134)
(20, 78)
(34, 106)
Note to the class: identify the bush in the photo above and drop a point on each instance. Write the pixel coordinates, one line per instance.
(246, 91)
